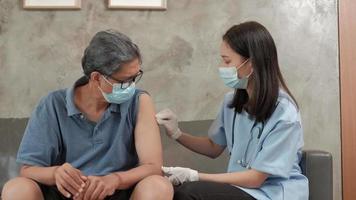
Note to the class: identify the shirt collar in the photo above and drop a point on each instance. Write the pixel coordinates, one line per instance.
(114, 108)
(73, 110)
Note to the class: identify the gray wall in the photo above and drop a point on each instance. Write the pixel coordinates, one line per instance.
(40, 51)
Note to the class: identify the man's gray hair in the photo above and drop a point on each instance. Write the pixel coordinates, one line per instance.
(107, 51)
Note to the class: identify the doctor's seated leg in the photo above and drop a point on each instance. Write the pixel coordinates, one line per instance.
(21, 188)
(203, 190)
(153, 187)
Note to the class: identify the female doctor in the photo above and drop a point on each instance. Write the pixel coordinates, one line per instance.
(259, 123)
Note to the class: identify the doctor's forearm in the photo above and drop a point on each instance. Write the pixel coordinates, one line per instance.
(133, 176)
(201, 145)
(248, 179)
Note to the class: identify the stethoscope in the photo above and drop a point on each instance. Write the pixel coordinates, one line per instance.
(243, 162)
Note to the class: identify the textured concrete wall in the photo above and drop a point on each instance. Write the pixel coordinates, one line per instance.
(41, 50)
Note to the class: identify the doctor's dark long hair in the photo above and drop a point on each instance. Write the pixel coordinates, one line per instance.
(252, 40)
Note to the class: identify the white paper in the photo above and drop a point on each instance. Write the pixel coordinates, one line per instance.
(51, 2)
(144, 3)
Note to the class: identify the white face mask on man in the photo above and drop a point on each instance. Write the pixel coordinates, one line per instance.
(231, 79)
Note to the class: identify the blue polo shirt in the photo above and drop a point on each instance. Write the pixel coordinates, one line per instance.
(58, 132)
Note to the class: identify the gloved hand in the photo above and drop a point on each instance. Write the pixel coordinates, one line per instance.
(179, 175)
(169, 120)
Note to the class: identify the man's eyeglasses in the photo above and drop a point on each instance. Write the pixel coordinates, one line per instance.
(125, 84)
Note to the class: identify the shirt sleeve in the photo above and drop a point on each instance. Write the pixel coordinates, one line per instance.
(135, 107)
(39, 145)
(279, 149)
(217, 131)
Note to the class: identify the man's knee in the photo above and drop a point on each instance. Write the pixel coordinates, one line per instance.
(153, 187)
(21, 188)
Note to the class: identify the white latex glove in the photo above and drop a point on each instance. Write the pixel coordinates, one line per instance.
(179, 175)
(169, 120)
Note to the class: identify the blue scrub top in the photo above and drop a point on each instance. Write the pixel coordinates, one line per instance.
(274, 147)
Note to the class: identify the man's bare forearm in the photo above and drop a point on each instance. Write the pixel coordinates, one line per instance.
(44, 175)
(133, 176)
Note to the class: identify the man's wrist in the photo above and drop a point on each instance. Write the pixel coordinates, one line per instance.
(118, 179)
(54, 175)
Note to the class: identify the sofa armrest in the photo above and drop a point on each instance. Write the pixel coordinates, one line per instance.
(317, 166)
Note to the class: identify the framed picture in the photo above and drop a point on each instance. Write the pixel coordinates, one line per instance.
(138, 4)
(52, 4)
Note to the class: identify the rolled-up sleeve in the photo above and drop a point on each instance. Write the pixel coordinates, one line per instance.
(39, 145)
(217, 131)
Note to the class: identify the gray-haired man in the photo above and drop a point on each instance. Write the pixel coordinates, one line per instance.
(98, 139)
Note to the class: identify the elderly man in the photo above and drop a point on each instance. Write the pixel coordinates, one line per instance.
(96, 140)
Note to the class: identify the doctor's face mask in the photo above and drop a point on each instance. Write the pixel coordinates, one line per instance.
(231, 79)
